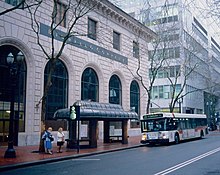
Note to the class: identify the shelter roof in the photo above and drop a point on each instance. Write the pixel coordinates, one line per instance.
(95, 110)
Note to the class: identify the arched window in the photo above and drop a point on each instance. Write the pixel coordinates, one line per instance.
(90, 85)
(12, 84)
(115, 91)
(57, 97)
(134, 99)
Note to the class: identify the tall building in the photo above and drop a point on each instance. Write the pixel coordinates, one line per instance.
(96, 64)
(187, 44)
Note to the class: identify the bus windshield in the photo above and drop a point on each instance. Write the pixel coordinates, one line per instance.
(154, 125)
(160, 124)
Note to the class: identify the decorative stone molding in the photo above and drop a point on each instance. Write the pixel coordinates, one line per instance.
(124, 19)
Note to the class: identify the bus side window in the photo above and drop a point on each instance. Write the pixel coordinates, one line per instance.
(172, 124)
(190, 123)
(193, 123)
(182, 124)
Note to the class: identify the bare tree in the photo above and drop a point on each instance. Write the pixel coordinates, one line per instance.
(157, 60)
(76, 10)
(190, 64)
(164, 56)
(158, 49)
(208, 10)
(213, 8)
(184, 73)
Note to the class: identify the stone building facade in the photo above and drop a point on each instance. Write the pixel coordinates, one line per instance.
(101, 69)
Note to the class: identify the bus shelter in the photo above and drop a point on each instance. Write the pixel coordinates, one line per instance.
(92, 112)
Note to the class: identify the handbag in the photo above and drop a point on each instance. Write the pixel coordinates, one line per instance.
(51, 138)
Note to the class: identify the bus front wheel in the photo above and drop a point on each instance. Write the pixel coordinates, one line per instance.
(201, 134)
(177, 139)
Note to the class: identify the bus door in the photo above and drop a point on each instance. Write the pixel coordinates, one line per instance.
(191, 131)
(172, 126)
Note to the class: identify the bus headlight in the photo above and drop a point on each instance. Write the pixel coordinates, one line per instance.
(144, 137)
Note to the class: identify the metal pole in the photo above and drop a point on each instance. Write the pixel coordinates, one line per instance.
(10, 152)
(78, 146)
(17, 116)
(77, 107)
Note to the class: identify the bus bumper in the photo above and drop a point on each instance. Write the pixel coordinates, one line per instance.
(154, 141)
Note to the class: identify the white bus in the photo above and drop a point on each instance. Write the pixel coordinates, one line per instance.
(172, 127)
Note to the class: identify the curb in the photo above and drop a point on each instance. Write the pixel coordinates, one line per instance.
(39, 162)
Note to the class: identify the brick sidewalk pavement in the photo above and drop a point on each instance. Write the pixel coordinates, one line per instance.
(28, 155)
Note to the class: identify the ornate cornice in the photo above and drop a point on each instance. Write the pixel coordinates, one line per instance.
(108, 9)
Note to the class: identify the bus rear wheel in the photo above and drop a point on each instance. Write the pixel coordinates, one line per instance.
(177, 139)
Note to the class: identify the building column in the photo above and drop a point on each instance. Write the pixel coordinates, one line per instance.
(93, 130)
(124, 131)
(106, 131)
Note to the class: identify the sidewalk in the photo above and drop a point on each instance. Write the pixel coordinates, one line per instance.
(28, 155)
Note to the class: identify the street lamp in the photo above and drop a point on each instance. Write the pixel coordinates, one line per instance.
(14, 67)
(77, 108)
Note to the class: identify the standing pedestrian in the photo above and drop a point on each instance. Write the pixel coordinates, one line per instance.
(48, 139)
(60, 139)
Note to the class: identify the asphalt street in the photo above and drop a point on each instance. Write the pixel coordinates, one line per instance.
(197, 157)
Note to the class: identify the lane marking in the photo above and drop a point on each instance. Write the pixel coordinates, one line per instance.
(178, 166)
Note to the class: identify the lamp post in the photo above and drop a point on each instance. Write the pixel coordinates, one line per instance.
(77, 108)
(14, 66)
(211, 119)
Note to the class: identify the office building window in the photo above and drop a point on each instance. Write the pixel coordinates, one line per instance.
(167, 53)
(61, 17)
(115, 90)
(164, 92)
(135, 49)
(92, 32)
(58, 92)
(116, 40)
(115, 96)
(165, 72)
(90, 85)
(134, 100)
